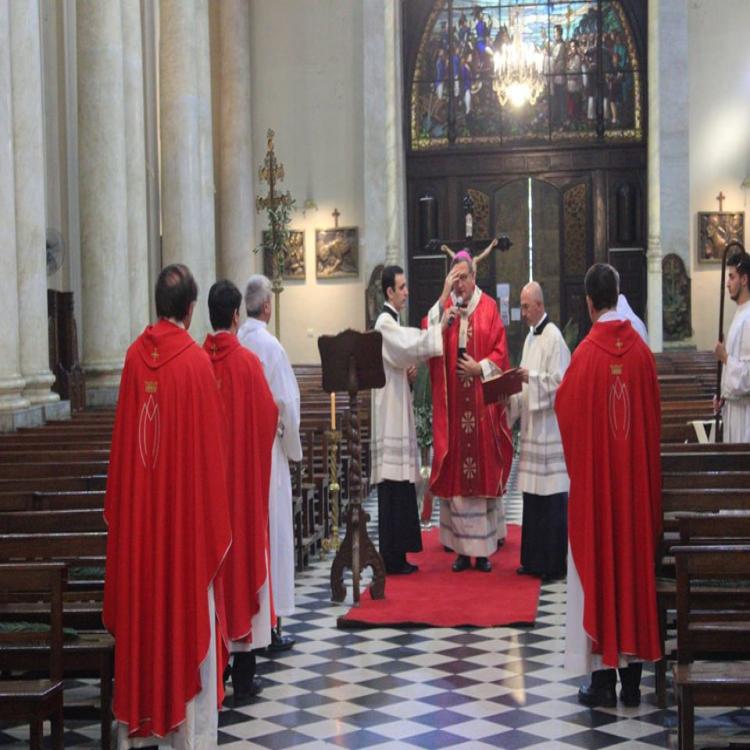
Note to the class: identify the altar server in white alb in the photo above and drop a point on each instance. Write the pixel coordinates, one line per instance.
(626, 311)
(735, 355)
(542, 476)
(254, 334)
(395, 456)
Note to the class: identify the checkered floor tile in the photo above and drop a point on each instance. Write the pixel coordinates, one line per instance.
(429, 688)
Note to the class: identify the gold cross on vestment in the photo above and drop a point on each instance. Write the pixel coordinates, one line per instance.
(154, 355)
(214, 349)
(619, 344)
(721, 197)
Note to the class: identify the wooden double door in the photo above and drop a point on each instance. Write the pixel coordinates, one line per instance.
(559, 224)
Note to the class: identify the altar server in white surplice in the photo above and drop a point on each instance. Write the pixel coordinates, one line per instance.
(626, 311)
(542, 476)
(395, 456)
(735, 376)
(254, 334)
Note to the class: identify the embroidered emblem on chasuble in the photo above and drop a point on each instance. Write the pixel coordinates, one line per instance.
(468, 422)
(469, 467)
(149, 426)
(619, 405)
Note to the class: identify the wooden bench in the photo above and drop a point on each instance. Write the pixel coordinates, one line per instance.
(692, 528)
(34, 700)
(710, 629)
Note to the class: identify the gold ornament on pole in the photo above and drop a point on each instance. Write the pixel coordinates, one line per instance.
(333, 438)
(279, 208)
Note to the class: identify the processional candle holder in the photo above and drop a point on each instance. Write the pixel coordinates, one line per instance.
(332, 542)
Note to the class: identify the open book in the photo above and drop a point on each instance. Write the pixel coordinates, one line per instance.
(506, 384)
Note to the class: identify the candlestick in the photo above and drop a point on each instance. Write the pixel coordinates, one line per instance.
(333, 411)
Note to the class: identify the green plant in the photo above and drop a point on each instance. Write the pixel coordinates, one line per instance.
(276, 239)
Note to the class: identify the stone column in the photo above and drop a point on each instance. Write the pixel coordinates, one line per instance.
(384, 172)
(30, 218)
(103, 197)
(654, 253)
(185, 134)
(11, 382)
(395, 251)
(135, 143)
(235, 220)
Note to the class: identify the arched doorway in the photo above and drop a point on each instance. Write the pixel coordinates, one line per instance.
(563, 176)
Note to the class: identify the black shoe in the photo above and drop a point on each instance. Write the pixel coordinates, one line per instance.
(593, 697)
(483, 565)
(521, 571)
(279, 642)
(461, 563)
(244, 697)
(500, 542)
(402, 570)
(630, 698)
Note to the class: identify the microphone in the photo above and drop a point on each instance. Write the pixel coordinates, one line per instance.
(459, 303)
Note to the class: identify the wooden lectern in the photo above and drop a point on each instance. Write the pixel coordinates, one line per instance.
(352, 362)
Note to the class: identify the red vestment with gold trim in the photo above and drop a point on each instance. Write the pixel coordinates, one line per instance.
(609, 415)
(251, 419)
(167, 513)
(472, 445)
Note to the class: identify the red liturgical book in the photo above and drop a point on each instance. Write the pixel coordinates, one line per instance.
(503, 385)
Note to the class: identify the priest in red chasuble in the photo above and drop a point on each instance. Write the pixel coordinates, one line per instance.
(167, 512)
(472, 443)
(251, 418)
(609, 415)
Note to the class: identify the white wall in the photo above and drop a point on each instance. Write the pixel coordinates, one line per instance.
(307, 87)
(719, 80)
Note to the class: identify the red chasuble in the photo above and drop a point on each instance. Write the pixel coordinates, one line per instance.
(609, 415)
(251, 418)
(168, 516)
(473, 448)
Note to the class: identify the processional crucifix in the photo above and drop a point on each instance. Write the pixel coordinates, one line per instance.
(271, 171)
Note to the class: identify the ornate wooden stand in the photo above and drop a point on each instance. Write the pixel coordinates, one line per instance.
(353, 361)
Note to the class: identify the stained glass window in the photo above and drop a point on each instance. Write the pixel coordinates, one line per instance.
(578, 60)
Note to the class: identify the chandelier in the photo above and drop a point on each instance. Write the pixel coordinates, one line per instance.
(519, 69)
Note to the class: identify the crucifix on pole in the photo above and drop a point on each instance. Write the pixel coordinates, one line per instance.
(279, 207)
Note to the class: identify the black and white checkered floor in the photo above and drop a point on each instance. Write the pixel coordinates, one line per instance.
(429, 688)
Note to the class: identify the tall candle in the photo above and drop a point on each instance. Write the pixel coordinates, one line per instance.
(333, 411)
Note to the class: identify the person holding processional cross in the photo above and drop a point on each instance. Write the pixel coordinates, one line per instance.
(473, 447)
(395, 456)
(735, 355)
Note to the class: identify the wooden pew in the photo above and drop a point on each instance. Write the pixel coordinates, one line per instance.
(706, 521)
(36, 700)
(706, 630)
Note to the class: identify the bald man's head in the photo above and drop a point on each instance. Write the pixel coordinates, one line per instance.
(532, 303)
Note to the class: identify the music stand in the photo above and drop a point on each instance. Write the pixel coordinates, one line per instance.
(353, 361)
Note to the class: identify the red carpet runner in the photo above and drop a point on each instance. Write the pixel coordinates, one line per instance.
(435, 596)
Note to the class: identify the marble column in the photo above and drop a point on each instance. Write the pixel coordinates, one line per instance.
(395, 250)
(30, 218)
(135, 143)
(103, 196)
(11, 382)
(654, 252)
(235, 204)
(384, 171)
(186, 143)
